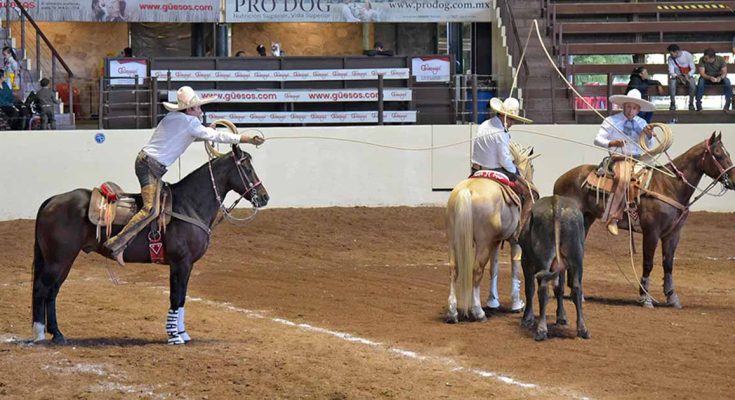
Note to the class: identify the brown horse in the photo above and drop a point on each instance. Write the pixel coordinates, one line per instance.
(659, 220)
(63, 230)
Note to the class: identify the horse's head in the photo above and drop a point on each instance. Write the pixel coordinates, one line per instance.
(244, 180)
(716, 162)
(523, 159)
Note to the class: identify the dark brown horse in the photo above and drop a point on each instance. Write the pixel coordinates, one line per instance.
(63, 229)
(659, 220)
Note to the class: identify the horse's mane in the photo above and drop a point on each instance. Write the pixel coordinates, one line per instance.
(520, 153)
(202, 170)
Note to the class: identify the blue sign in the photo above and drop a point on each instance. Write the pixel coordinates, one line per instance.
(99, 138)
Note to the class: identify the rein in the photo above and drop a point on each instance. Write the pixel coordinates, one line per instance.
(250, 186)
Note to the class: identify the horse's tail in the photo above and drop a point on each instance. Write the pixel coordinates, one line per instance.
(462, 247)
(545, 276)
(38, 311)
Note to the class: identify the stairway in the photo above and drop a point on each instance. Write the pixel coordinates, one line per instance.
(542, 79)
(30, 76)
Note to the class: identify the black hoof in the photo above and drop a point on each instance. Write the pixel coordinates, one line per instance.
(451, 320)
(527, 323)
(540, 336)
(562, 322)
(59, 339)
(583, 334)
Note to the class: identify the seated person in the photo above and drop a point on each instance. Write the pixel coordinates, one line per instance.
(379, 50)
(713, 71)
(681, 71)
(639, 80)
(7, 101)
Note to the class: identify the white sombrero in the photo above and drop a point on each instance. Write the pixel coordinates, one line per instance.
(186, 97)
(634, 96)
(510, 108)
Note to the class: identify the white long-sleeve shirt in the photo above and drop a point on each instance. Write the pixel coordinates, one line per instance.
(176, 132)
(607, 134)
(685, 59)
(491, 147)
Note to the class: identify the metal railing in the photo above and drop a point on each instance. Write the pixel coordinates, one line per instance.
(515, 42)
(141, 97)
(40, 40)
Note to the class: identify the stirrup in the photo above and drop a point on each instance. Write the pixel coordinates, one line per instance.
(612, 227)
(119, 259)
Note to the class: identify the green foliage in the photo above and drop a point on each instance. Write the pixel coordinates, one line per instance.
(608, 59)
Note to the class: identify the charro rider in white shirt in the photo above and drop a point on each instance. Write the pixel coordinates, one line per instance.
(620, 134)
(173, 135)
(491, 147)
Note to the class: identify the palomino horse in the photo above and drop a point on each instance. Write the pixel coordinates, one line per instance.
(478, 220)
(659, 219)
(63, 229)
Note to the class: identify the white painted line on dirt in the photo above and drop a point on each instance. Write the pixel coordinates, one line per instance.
(355, 339)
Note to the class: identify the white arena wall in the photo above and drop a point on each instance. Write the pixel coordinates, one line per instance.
(307, 172)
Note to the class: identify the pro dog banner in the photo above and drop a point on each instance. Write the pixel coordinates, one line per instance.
(300, 96)
(314, 117)
(121, 10)
(358, 10)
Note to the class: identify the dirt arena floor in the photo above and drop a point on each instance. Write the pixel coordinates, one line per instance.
(348, 303)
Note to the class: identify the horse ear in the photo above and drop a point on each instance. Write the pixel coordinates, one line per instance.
(719, 136)
(236, 149)
(530, 153)
(713, 138)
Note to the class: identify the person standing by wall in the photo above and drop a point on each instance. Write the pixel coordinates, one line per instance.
(47, 100)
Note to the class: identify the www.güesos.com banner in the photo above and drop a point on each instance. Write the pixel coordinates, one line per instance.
(121, 10)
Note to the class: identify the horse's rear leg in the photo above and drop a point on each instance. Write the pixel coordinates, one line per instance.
(561, 314)
(46, 284)
(179, 281)
(484, 254)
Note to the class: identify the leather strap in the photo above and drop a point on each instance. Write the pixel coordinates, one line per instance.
(666, 199)
(191, 220)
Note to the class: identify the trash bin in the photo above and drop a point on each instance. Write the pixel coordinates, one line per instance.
(483, 98)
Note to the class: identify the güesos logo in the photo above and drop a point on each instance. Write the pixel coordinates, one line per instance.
(431, 69)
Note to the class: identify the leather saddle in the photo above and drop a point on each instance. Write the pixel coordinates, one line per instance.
(110, 205)
(603, 184)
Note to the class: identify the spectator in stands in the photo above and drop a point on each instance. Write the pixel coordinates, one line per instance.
(379, 50)
(639, 80)
(11, 68)
(7, 101)
(713, 71)
(681, 71)
(260, 49)
(127, 52)
(47, 100)
(173, 135)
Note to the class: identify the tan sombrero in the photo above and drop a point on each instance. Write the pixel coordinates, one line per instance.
(186, 97)
(510, 108)
(634, 96)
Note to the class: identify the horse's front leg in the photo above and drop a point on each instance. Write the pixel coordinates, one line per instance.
(517, 303)
(179, 281)
(650, 241)
(668, 249)
(493, 299)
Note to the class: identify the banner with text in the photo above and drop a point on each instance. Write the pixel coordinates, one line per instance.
(315, 117)
(431, 69)
(358, 10)
(127, 67)
(281, 75)
(300, 96)
(120, 11)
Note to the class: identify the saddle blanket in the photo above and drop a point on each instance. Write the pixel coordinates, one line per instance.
(493, 175)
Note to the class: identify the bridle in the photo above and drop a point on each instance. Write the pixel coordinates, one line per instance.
(723, 171)
(248, 184)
